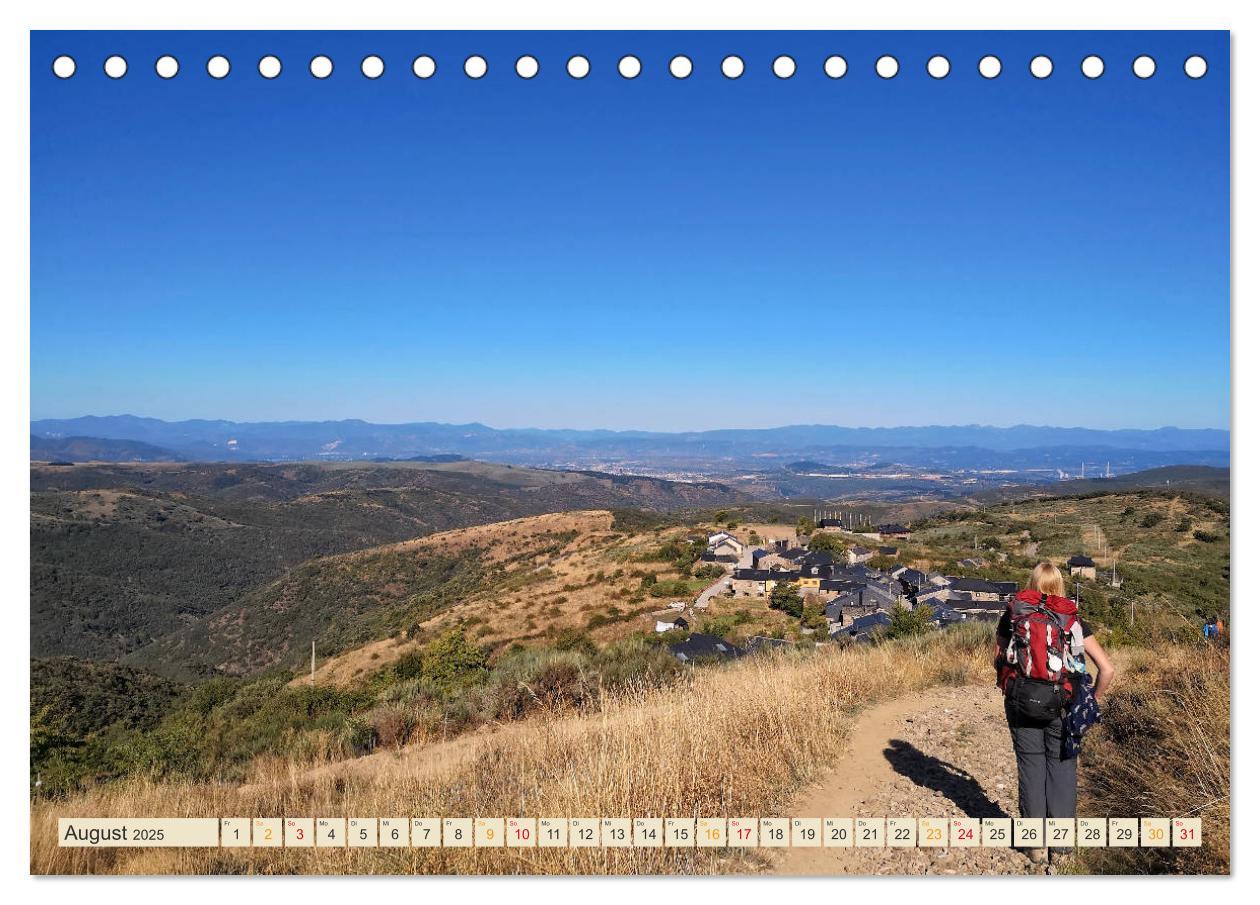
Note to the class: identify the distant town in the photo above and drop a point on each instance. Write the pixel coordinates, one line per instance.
(857, 597)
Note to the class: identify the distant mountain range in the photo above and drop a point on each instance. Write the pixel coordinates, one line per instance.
(354, 440)
(98, 449)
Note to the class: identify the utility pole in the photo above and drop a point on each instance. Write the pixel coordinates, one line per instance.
(312, 661)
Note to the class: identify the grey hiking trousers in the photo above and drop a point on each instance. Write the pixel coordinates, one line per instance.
(1047, 782)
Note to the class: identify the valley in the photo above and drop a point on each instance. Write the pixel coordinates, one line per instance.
(466, 614)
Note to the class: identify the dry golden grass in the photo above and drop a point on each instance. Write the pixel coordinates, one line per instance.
(732, 741)
(1163, 751)
(502, 614)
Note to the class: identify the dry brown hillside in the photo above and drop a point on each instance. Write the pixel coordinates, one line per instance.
(562, 572)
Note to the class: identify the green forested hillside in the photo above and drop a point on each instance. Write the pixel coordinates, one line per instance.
(337, 602)
(85, 714)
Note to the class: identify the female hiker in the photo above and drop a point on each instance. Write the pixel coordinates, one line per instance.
(1041, 669)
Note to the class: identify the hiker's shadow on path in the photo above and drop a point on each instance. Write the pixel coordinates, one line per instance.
(954, 783)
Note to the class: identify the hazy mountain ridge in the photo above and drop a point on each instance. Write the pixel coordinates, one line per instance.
(356, 439)
(98, 449)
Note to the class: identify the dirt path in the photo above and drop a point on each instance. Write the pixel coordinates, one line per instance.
(942, 753)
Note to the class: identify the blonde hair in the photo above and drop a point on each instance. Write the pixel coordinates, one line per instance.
(1047, 579)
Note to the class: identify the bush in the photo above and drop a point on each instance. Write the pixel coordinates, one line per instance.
(447, 660)
(356, 737)
(1206, 537)
(391, 725)
(571, 639)
(785, 598)
(410, 665)
(828, 542)
(908, 623)
(1150, 520)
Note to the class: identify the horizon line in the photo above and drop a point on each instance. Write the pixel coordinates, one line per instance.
(640, 430)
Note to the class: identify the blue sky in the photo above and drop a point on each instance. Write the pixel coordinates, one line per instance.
(656, 253)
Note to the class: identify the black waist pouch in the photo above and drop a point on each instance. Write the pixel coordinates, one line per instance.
(1036, 699)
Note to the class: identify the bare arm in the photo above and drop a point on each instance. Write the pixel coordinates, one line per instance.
(1106, 672)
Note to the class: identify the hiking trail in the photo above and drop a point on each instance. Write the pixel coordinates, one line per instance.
(944, 752)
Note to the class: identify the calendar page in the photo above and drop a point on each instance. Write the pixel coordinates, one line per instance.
(795, 453)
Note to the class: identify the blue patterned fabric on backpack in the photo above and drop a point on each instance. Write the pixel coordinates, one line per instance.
(1082, 713)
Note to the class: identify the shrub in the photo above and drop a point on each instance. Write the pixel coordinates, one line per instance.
(908, 623)
(391, 725)
(1163, 748)
(571, 639)
(1206, 537)
(785, 598)
(355, 737)
(446, 661)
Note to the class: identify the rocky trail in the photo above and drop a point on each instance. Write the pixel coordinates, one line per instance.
(945, 752)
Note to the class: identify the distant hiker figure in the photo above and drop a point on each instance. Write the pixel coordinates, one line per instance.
(1041, 670)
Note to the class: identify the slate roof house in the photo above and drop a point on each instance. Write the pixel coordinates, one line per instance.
(979, 588)
(892, 530)
(931, 592)
(859, 600)
(857, 573)
(1082, 566)
(966, 603)
(725, 548)
(756, 582)
(910, 579)
(855, 555)
(863, 627)
(839, 585)
(814, 567)
(704, 647)
(946, 615)
(668, 625)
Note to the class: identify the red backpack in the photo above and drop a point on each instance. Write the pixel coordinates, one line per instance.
(1035, 668)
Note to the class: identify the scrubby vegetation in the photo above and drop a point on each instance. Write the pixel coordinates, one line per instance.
(548, 648)
(124, 555)
(727, 741)
(1163, 749)
(84, 716)
(215, 730)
